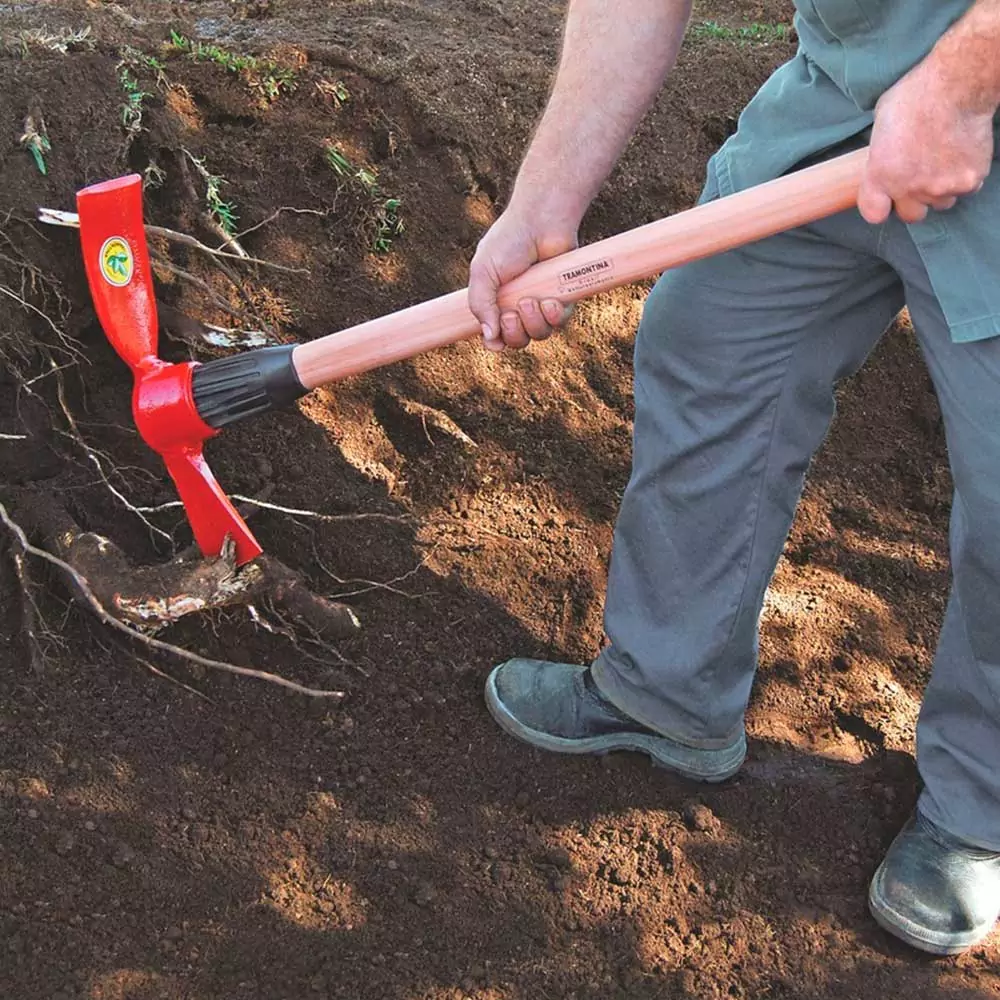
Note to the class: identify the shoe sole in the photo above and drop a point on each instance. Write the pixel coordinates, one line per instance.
(663, 752)
(912, 933)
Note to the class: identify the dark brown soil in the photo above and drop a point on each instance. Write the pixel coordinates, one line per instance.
(155, 845)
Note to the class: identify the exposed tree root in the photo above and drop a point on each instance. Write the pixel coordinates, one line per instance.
(139, 600)
(58, 217)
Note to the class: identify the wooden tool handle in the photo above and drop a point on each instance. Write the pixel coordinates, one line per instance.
(794, 200)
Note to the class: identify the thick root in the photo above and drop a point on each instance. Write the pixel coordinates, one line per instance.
(151, 597)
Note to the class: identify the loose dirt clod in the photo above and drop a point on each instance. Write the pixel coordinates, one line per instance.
(123, 856)
(699, 817)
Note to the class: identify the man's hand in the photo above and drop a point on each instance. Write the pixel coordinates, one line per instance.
(933, 137)
(613, 61)
(926, 150)
(512, 245)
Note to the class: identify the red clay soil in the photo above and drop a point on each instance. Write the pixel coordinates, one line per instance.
(248, 844)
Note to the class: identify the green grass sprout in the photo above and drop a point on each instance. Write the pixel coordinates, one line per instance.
(335, 90)
(222, 211)
(388, 225)
(36, 141)
(386, 213)
(755, 32)
(263, 76)
(132, 64)
(134, 97)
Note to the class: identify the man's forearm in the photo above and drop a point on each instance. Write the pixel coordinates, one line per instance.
(967, 58)
(615, 57)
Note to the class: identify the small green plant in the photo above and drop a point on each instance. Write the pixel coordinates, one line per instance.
(36, 141)
(339, 163)
(367, 179)
(755, 32)
(275, 81)
(335, 90)
(200, 52)
(387, 211)
(388, 225)
(343, 167)
(262, 75)
(134, 96)
(139, 59)
(133, 62)
(223, 212)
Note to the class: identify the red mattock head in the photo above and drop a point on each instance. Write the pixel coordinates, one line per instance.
(163, 405)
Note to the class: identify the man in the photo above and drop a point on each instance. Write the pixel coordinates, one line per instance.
(735, 362)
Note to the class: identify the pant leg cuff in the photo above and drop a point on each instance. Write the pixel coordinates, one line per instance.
(974, 835)
(650, 710)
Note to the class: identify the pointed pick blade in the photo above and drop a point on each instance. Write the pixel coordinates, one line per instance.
(210, 513)
(117, 263)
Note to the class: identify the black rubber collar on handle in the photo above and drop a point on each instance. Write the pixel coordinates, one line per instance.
(245, 385)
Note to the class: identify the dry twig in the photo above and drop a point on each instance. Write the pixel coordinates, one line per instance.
(290, 632)
(57, 217)
(173, 680)
(370, 585)
(329, 518)
(31, 307)
(29, 610)
(321, 212)
(75, 435)
(217, 300)
(261, 504)
(218, 254)
(218, 257)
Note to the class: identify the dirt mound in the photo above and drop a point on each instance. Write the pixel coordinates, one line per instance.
(236, 841)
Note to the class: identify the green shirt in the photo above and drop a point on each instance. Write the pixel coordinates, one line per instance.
(850, 52)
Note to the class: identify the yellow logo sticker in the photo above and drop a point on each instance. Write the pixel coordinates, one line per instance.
(117, 263)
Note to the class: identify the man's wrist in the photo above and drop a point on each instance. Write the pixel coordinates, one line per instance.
(966, 60)
(546, 200)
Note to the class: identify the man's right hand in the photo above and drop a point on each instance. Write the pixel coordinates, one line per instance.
(620, 52)
(512, 245)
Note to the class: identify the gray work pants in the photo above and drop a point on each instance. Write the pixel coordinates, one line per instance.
(735, 364)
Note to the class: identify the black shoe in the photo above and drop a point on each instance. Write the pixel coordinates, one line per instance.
(557, 706)
(934, 891)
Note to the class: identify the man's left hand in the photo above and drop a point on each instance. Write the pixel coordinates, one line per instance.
(928, 148)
